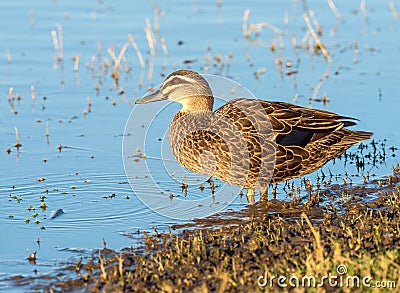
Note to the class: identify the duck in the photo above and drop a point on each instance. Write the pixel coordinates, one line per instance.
(250, 143)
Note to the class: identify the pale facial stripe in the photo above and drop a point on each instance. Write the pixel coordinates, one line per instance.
(186, 78)
(170, 85)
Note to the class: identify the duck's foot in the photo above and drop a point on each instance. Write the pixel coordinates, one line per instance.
(250, 196)
(263, 193)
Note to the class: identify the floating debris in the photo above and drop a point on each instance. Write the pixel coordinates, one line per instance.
(137, 50)
(56, 213)
(17, 143)
(151, 41)
(319, 45)
(189, 61)
(58, 44)
(76, 63)
(164, 46)
(32, 258)
(332, 6)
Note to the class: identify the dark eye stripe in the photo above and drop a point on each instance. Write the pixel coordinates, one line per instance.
(175, 81)
(171, 89)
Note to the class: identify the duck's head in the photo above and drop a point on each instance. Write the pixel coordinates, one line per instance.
(186, 87)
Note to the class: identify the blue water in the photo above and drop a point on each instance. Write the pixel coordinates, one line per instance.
(81, 178)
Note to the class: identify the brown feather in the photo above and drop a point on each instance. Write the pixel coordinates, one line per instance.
(305, 140)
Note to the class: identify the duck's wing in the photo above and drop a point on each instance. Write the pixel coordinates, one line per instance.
(286, 118)
(291, 124)
(305, 138)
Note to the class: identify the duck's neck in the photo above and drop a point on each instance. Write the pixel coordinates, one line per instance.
(193, 104)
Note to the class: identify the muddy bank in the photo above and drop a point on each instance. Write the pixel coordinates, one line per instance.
(354, 237)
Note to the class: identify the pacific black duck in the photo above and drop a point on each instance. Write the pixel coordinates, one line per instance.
(247, 142)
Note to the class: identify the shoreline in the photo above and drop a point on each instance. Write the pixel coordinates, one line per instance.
(285, 241)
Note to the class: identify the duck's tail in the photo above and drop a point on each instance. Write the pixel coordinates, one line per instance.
(357, 136)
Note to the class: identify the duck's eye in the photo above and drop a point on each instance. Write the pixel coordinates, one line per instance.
(171, 82)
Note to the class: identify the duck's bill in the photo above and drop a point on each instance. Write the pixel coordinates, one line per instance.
(152, 97)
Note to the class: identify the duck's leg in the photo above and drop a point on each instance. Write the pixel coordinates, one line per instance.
(250, 195)
(264, 193)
